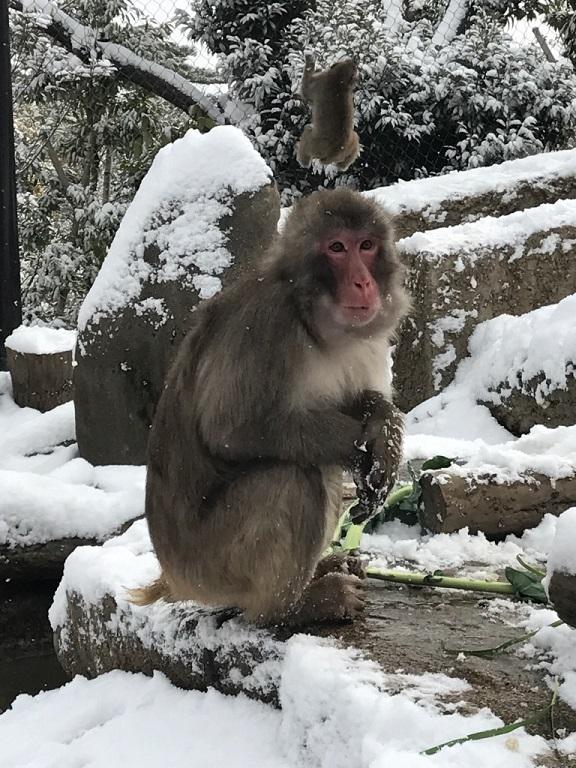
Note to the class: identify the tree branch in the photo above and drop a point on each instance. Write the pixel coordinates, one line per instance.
(544, 45)
(449, 25)
(57, 163)
(82, 41)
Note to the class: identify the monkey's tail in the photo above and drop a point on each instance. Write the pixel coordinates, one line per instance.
(157, 590)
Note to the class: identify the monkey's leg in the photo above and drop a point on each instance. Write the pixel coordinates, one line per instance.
(349, 153)
(303, 150)
(278, 521)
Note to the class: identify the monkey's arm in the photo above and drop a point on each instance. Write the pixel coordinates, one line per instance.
(380, 451)
(310, 437)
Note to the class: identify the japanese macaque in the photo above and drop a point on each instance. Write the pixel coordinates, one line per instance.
(282, 382)
(330, 137)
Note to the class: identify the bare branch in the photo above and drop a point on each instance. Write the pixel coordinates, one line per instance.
(544, 45)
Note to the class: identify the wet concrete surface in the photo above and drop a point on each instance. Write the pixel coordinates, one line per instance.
(28, 663)
(407, 629)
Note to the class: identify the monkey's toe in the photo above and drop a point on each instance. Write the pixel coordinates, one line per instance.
(356, 566)
(353, 600)
(340, 563)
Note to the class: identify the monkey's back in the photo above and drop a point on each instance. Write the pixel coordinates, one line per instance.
(224, 376)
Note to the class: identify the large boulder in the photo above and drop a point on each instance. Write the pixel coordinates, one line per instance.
(207, 209)
(461, 276)
(464, 196)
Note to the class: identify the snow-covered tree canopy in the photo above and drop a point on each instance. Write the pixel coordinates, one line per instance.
(442, 84)
(85, 137)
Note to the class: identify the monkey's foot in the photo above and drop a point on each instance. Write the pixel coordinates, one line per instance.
(338, 563)
(333, 597)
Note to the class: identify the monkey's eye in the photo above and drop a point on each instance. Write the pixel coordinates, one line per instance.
(336, 246)
(366, 245)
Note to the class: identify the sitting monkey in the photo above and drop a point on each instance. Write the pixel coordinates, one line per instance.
(281, 381)
(330, 137)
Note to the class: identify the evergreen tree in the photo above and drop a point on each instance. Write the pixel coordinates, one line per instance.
(442, 85)
(84, 140)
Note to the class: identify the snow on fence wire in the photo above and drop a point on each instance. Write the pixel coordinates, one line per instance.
(100, 85)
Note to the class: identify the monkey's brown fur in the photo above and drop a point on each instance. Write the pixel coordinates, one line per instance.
(330, 137)
(262, 408)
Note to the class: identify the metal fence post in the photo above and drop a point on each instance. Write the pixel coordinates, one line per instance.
(10, 294)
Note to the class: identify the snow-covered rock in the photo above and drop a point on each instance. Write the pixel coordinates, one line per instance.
(464, 196)
(527, 367)
(334, 700)
(460, 276)
(561, 570)
(207, 208)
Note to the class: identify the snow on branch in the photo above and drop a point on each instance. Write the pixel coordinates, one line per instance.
(453, 17)
(83, 41)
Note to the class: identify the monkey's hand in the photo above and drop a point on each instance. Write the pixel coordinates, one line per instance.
(378, 457)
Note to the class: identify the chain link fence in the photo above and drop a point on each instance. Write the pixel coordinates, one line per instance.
(100, 85)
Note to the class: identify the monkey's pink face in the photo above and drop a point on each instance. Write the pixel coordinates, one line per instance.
(351, 256)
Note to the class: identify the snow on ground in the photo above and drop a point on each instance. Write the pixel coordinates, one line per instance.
(396, 544)
(338, 709)
(333, 716)
(46, 490)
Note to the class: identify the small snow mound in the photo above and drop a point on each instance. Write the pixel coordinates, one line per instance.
(38, 340)
(187, 191)
(562, 557)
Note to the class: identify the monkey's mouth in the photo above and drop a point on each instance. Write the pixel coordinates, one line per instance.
(359, 314)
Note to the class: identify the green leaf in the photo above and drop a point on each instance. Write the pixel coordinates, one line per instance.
(526, 584)
(438, 462)
(353, 536)
(532, 568)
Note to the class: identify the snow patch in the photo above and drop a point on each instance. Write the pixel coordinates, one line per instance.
(474, 240)
(428, 195)
(563, 553)
(40, 340)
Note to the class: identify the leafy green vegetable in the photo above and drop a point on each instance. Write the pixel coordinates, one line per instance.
(540, 714)
(492, 653)
(526, 584)
(437, 462)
